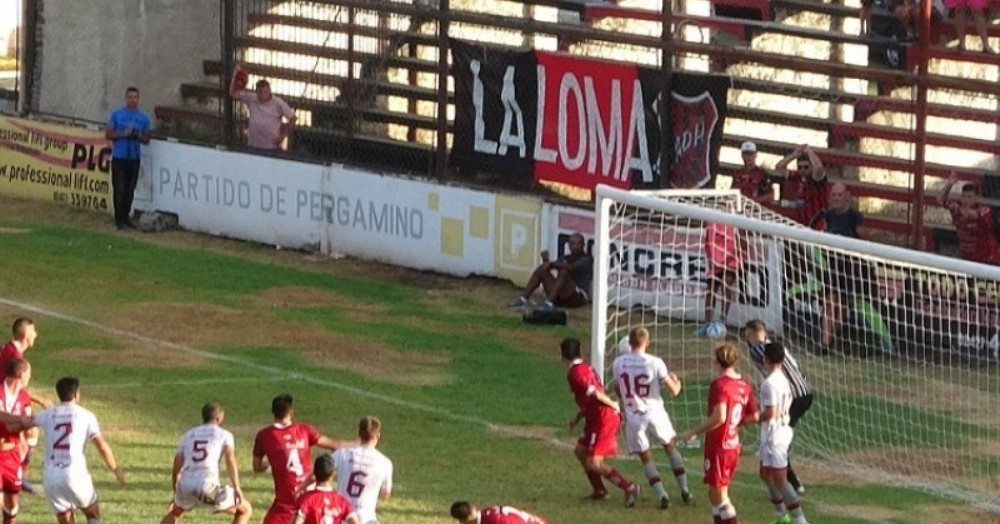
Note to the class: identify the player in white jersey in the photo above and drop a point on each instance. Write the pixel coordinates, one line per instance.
(68, 427)
(776, 436)
(364, 474)
(195, 474)
(639, 377)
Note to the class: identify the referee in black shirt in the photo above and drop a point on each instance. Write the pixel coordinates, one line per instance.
(755, 335)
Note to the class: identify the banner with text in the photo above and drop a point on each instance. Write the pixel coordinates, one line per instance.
(62, 164)
(667, 269)
(581, 121)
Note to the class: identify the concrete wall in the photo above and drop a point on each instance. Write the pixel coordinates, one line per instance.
(91, 50)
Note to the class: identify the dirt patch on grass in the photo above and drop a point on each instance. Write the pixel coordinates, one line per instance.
(134, 355)
(201, 325)
(11, 230)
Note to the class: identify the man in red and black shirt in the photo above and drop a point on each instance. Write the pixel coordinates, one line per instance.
(974, 223)
(806, 189)
(750, 179)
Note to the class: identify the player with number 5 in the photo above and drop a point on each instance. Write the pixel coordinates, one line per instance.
(195, 475)
(284, 447)
(639, 377)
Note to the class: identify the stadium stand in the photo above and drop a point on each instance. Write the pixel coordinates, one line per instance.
(379, 61)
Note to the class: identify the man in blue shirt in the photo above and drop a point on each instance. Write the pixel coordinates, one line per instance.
(128, 127)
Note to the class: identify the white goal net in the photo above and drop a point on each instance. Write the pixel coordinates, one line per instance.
(900, 347)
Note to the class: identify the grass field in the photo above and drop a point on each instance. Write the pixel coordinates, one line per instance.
(473, 402)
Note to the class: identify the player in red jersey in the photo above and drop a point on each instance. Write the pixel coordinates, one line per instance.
(24, 333)
(974, 223)
(323, 505)
(284, 446)
(600, 431)
(15, 401)
(468, 514)
(730, 405)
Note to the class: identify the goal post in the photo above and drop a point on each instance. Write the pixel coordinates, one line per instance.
(901, 347)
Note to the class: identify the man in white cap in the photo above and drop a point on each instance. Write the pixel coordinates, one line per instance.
(750, 178)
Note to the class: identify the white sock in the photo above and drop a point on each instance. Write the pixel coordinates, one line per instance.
(654, 478)
(677, 464)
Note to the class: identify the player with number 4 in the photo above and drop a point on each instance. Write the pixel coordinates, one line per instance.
(639, 378)
(195, 475)
(284, 447)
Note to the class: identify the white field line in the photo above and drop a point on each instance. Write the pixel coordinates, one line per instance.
(277, 374)
(171, 383)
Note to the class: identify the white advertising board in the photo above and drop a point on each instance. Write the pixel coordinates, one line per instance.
(342, 211)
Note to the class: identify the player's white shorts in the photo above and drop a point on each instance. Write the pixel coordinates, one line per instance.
(191, 492)
(773, 451)
(653, 425)
(68, 489)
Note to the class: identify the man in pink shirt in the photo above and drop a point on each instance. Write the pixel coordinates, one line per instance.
(271, 119)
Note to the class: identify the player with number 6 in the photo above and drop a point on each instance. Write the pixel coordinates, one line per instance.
(364, 474)
(284, 447)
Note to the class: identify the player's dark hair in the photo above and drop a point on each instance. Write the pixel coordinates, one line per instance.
(281, 406)
(67, 387)
(369, 427)
(211, 411)
(20, 326)
(570, 348)
(131, 89)
(323, 468)
(262, 83)
(461, 510)
(756, 325)
(16, 367)
(774, 352)
(727, 354)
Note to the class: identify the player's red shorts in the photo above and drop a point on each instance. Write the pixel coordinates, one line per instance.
(600, 437)
(280, 514)
(720, 466)
(11, 471)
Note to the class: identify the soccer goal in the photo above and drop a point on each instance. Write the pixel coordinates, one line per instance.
(901, 347)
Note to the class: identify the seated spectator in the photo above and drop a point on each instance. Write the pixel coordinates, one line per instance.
(751, 179)
(803, 190)
(961, 9)
(845, 274)
(565, 281)
(974, 223)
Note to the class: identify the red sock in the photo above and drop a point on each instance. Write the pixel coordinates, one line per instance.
(734, 520)
(617, 479)
(716, 519)
(596, 482)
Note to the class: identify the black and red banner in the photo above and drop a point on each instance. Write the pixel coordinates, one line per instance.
(582, 121)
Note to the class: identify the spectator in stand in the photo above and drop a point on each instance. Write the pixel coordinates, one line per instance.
(271, 119)
(866, 17)
(974, 223)
(751, 179)
(845, 274)
(961, 8)
(804, 189)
